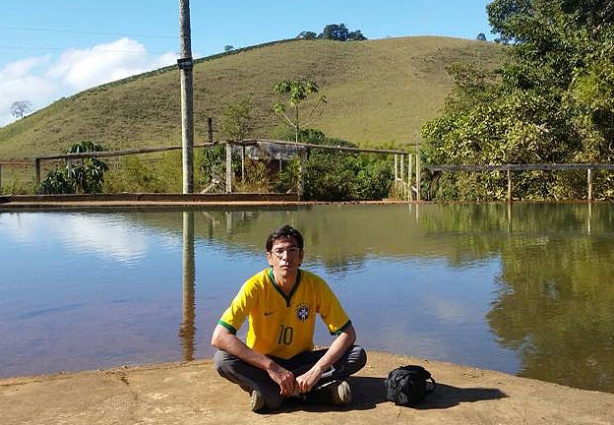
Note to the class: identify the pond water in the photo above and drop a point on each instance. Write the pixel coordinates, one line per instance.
(525, 289)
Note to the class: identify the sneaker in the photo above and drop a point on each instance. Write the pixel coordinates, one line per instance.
(335, 392)
(256, 401)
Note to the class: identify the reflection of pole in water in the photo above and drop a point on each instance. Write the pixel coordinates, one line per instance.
(187, 328)
(411, 208)
(211, 222)
(509, 217)
(590, 217)
(228, 222)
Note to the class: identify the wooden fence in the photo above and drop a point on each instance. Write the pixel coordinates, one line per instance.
(404, 171)
(509, 168)
(402, 179)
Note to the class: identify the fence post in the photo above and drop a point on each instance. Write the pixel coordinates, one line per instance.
(590, 184)
(228, 167)
(418, 177)
(402, 178)
(0, 179)
(409, 169)
(509, 185)
(242, 163)
(210, 129)
(396, 173)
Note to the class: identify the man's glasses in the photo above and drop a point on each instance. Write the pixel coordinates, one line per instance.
(291, 251)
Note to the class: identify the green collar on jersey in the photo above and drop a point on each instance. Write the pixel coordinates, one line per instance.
(281, 291)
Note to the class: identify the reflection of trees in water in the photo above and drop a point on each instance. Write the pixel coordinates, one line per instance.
(555, 304)
(556, 308)
(341, 263)
(249, 229)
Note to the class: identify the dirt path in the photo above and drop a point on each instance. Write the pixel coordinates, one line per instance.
(193, 393)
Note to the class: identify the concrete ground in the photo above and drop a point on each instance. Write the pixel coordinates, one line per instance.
(193, 393)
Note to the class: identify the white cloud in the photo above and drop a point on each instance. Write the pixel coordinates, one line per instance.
(19, 81)
(42, 80)
(15, 69)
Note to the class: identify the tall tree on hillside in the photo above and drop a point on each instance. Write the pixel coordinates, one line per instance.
(337, 32)
(356, 36)
(20, 108)
(307, 35)
(297, 92)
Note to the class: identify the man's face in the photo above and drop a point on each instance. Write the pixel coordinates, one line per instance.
(285, 257)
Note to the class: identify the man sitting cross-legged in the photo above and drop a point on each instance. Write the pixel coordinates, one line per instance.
(278, 359)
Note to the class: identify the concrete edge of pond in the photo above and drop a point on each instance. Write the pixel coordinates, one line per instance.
(177, 200)
(192, 393)
(163, 200)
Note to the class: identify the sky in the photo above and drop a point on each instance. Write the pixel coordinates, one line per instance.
(51, 49)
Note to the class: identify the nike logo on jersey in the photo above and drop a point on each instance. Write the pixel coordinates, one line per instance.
(268, 313)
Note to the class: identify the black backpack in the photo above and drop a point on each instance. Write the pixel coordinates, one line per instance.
(408, 385)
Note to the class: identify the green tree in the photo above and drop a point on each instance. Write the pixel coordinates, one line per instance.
(550, 102)
(237, 120)
(297, 92)
(212, 166)
(508, 17)
(330, 175)
(356, 36)
(337, 32)
(307, 35)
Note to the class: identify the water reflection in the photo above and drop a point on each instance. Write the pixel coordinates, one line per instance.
(187, 328)
(554, 306)
(100, 234)
(554, 303)
(525, 289)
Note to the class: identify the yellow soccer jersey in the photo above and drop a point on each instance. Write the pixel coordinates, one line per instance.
(283, 325)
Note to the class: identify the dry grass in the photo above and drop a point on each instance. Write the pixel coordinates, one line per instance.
(379, 94)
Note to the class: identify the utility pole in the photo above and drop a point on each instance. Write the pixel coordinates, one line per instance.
(186, 64)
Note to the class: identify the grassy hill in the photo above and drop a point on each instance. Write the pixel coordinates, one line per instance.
(379, 93)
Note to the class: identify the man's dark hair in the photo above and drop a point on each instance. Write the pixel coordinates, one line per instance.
(284, 232)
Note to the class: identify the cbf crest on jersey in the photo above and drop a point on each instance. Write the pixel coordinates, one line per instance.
(302, 312)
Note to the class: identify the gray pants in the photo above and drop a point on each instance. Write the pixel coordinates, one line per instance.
(250, 378)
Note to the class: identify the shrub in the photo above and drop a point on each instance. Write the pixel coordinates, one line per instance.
(84, 176)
